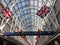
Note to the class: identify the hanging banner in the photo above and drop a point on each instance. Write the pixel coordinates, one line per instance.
(43, 11)
(28, 33)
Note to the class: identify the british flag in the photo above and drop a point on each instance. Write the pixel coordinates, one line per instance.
(43, 11)
(7, 13)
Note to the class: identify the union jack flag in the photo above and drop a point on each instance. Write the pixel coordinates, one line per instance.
(43, 11)
(7, 13)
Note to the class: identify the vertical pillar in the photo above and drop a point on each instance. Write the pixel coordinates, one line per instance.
(4, 42)
(57, 43)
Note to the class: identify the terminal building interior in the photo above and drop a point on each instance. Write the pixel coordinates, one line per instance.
(30, 15)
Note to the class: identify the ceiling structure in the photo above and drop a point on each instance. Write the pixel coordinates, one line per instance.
(24, 13)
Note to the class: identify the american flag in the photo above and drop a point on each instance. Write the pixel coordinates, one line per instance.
(43, 11)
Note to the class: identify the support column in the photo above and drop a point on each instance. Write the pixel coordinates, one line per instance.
(4, 42)
(57, 43)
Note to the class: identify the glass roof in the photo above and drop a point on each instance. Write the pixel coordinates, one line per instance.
(24, 12)
(25, 9)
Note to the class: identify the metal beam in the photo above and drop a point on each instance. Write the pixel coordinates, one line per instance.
(28, 33)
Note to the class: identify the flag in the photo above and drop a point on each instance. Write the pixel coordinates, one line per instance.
(43, 11)
(7, 13)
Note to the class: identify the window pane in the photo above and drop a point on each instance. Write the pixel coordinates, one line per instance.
(28, 11)
(23, 3)
(27, 2)
(32, 10)
(31, 2)
(7, 1)
(19, 5)
(22, 0)
(25, 11)
(16, 7)
(35, 3)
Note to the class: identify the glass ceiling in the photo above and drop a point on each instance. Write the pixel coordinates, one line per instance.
(24, 12)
